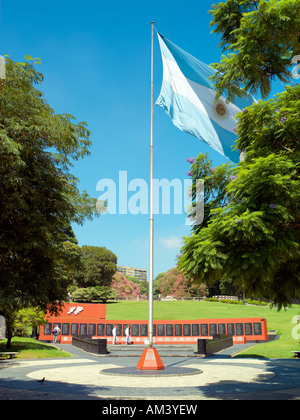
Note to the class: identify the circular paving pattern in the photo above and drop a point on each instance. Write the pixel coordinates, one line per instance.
(94, 377)
(167, 371)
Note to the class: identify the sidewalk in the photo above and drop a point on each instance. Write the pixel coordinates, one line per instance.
(83, 377)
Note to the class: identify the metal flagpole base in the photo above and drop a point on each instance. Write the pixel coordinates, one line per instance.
(150, 360)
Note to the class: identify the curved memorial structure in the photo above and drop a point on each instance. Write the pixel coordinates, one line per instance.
(88, 319)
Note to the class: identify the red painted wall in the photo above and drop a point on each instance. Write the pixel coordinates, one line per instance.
(91, 320)
(89, 310)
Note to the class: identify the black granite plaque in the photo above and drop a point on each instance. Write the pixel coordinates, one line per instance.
(48, 328)
(57, 324)
(144, 330)
(212, 329)
(195, 330)
(108, 329)
(178, 330)
(161, 330)
(230, 329)
(119, 329)
(83, 329)
(154, 330)
(186, 329)
(92, 329)
(257, 328)
(221, 329)
(204, 330)
(169, 330)
(74, 329)
(248, 328)
(65, 330)
(135, 330)
(100, 330)
(239, 328)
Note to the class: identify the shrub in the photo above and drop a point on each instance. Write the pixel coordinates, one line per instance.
(88, 294)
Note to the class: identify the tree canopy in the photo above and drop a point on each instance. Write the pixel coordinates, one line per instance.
(254, 239)
(261, 37)
(125, 287)
(99, 265)
(39, 197)
(174, 283)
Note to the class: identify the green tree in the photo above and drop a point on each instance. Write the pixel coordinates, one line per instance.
(156, 290)
(261, 37)
(143, 284)
(228, 287)
(39, 198)
(215, 181)
(89, 294)
(255, 238)
(99, 265)
(29, 317)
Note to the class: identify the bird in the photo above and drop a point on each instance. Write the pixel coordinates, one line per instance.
(41, 380)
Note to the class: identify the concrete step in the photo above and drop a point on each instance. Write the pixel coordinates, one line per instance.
(163, 350)
(159, 346)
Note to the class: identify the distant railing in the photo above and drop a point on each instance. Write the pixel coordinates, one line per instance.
(225, 297)
(157, 298)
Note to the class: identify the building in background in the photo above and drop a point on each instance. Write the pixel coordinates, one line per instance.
(139, 273)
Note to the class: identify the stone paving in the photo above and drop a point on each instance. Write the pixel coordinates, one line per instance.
(84, 377)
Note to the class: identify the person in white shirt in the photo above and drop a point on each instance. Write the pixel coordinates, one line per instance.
(127, 333)
(55, 332)
(114, 333)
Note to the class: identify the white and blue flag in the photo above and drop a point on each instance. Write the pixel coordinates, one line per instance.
(188, 98)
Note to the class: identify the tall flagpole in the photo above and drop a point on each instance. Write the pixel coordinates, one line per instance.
(150, 359)
(151, 247)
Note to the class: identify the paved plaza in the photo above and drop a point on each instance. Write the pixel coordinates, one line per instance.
(91, 377)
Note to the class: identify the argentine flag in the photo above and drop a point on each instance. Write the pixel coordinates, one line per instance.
(188, 98)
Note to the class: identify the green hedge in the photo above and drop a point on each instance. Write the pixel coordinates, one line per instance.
(238, 302)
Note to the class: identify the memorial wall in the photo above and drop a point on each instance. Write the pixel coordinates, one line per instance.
(89, 320)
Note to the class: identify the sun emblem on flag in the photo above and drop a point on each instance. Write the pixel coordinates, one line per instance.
(220, 110)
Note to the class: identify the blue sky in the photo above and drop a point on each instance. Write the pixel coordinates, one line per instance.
(96, 63)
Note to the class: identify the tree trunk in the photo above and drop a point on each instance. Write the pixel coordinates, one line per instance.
(9, 337)
(9, 319)
(34, 333)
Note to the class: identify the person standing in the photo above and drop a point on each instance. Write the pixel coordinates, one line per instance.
(114, 333)
(55, 332)
(127, 333)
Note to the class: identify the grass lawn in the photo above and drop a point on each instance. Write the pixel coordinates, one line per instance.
(31, 349)
(280, 321)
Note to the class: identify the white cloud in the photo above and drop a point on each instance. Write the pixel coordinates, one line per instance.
(171, 242)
